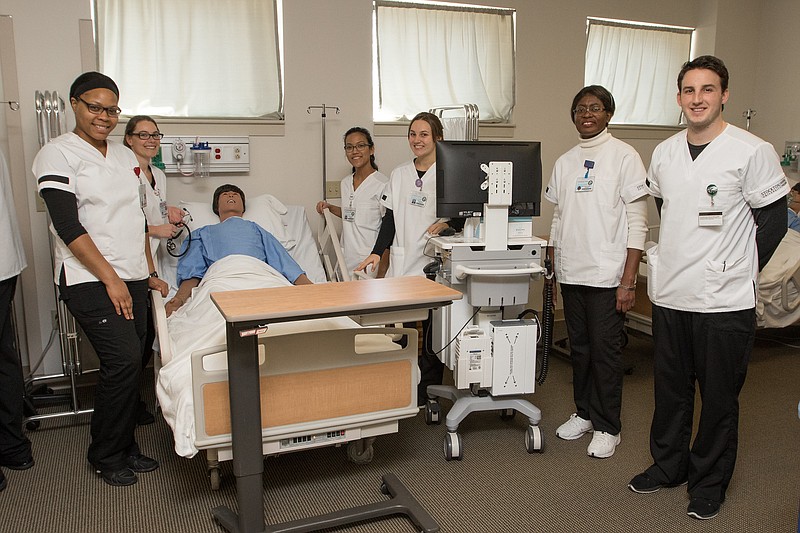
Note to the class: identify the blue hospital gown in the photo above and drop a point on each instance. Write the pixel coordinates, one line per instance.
(234, 236)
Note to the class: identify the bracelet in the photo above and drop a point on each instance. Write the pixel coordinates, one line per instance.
(153, 274)
(627, 288)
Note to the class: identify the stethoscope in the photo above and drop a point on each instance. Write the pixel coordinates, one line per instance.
(172, 245)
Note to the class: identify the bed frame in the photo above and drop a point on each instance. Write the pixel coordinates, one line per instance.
(331, 389)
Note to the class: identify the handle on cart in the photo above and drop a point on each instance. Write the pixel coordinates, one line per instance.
(462, 272)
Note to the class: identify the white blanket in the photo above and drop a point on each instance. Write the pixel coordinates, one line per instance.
(769, 310)
(198, 324)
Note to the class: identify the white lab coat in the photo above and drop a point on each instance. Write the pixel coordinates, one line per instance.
(107, 192)
(165, 264)
(592, 231)
(710, 269)
(358, 235)
(12, 255)
(411, 222)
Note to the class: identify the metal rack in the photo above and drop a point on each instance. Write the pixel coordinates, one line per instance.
(460, 121)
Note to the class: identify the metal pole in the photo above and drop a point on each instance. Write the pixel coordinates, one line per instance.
(324, 109)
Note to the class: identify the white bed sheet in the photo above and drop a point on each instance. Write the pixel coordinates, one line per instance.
(769, 310)
(198, 324)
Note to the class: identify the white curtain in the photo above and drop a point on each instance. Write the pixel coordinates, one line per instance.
(192, 58)
(436, 56)
(640, 66)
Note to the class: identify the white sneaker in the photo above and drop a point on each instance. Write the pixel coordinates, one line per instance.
(603, 445)
(574, 428)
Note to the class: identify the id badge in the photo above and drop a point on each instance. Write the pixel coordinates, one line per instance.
(418, 199)
(349, 214)
(162, 205)
(142, 196)
(584, 184)
(709, 218)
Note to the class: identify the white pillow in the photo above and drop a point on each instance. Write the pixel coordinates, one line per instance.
(265, 210)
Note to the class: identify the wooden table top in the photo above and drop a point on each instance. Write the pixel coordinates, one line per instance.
(330, 299)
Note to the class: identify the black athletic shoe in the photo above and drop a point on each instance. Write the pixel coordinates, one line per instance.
(644, 484)
(119, 478)
(18, 465)
(703, 508)
(141, 463)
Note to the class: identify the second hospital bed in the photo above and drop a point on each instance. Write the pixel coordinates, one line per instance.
(330, 382)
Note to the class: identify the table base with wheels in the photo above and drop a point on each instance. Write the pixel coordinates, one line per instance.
(401, 502)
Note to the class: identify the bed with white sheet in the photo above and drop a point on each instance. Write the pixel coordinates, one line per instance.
(324, 382)
(779, 285)
(778, 302)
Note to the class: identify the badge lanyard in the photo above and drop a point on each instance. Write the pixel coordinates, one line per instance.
(586, 183)
(142, 192)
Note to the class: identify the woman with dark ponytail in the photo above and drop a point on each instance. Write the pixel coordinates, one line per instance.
(361, 211)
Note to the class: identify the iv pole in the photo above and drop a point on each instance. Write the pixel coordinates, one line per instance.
(324, 108)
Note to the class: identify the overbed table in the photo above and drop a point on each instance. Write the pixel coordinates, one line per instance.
(248, 313)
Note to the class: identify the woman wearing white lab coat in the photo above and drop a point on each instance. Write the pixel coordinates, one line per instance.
(361, 210)
(596, 242)
(410, 220)
(102, 264)
(144, 139)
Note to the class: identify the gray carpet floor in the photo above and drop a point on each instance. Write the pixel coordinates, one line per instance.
(497, 487)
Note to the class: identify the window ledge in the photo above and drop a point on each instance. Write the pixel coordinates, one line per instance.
(643, 131)
(486, 130)
(242, 127)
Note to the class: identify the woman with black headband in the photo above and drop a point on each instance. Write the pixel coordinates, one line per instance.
(103, 267)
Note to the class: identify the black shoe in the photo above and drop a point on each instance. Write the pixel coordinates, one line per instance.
(19, 465)
(644, 484)
(703, 508)
(141, 463)
(119, 478)
(3, 482)
(143, 416)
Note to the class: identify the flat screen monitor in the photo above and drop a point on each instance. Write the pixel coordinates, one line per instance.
(459, 176)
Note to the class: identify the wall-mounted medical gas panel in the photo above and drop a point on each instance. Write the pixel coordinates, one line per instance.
(228, 154)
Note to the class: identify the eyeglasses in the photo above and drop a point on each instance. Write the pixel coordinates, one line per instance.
(360, 147)
(143, 135)
(95, 109)
(593, 109)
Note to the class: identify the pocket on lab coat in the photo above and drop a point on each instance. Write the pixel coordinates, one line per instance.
(614, 254)
(727, 283)
(368, 217)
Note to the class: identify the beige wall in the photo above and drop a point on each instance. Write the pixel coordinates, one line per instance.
(328, 61)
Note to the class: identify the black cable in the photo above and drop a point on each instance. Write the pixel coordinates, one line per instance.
(548, 317)
(458, 332)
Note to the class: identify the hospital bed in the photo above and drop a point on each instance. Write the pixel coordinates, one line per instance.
(778, 303)
(328, 382)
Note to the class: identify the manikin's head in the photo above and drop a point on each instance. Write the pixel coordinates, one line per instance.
(228, 201)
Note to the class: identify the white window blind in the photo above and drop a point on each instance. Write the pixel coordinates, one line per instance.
(192, 58)
(431, 55)
(639, 64)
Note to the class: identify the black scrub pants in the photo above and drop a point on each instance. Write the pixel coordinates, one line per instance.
(118, 343)
(431, 369)
(595, 339)
(15, 448)
(712, 350)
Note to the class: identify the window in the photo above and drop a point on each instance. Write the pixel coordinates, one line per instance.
(436, 54)
(639, 64)
(192, 58)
